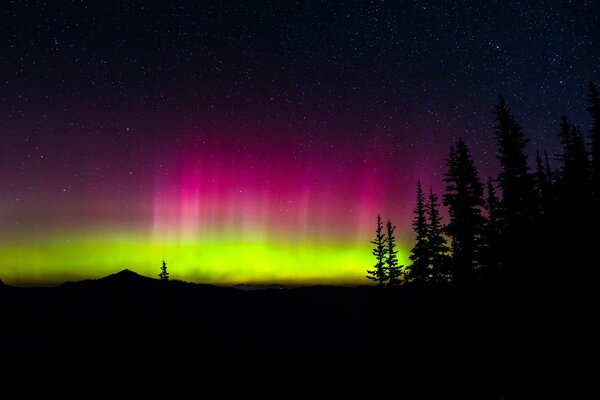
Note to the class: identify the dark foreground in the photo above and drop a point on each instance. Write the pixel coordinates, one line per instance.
(494, 336)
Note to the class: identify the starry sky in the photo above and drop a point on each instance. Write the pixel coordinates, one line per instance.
(255, 142)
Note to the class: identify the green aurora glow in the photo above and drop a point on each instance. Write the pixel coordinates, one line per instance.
(221, 260)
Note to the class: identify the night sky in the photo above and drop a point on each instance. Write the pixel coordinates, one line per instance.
(258, 142)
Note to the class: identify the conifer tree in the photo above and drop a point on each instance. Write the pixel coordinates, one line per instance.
(437, 248)
(419, 254)
(492, 204)
(514, 179)
(464, 198)
(518, 207)
(565, 141)
(575, 164)
(581, 163)
(164, 275)
(393, 270)
(492, 230)
(548, 169)
(541, 182)
(378, 274)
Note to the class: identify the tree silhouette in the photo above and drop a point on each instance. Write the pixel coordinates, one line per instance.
(419, 254)
(548, 169)
(378, 274)
(437, 248)
(545, 184)
(519, 213)
(576, 212)
(464, 198)
(393, 270)
(515, 240)
(541, 182)
(492, 204)
(575, 164)
(574, 189)
(164, 275)
(514, 179)
(492, 230)
(581, 163)
(579, 184)
(594, 110)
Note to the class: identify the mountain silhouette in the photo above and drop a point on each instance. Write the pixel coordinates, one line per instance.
(127, 277)
(124, 278)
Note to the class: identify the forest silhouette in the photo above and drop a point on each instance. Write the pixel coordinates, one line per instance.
(532, 225)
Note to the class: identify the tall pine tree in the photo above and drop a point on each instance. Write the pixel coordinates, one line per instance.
(464, 198)
(581, 164)
(548, 169)
(514, 179)
(518, 211)
(576, 213)
(541, 183)
(378, 274)
(552, 179)
(419, 254)
(492, 231)
(575, 164)
(393, 270)
(437, 248)
(492, 204)
(566, 142)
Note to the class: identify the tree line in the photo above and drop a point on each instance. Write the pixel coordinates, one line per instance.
(529, 223)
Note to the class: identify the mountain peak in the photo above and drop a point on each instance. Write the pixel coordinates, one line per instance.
(125, 276)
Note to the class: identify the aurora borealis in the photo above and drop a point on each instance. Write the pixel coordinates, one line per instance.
(216, 216)
(248, 143)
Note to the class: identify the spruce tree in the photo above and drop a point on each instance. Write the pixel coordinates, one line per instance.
(437, 248)
(575, 164)
(492, 230)
(581, 163)
(514, 179)
(541, 182)
(393, 270)
(419, 254)
(548, 169)
(518, 207)
(164, 275)
(566, 143)
(464, 198)
(575, 213)
(492, 204)
(378, 274)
